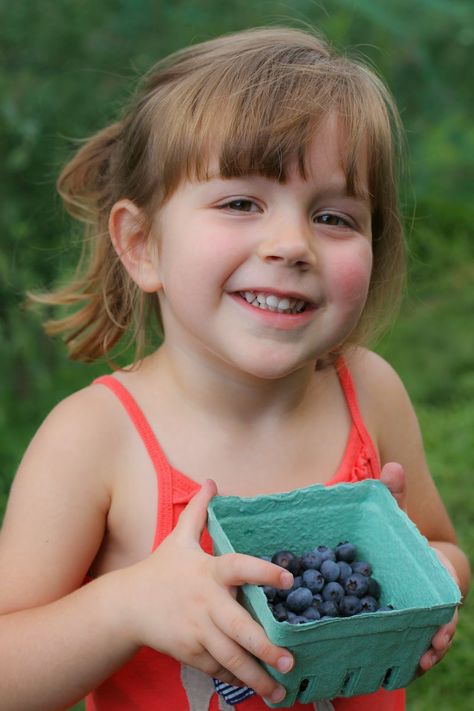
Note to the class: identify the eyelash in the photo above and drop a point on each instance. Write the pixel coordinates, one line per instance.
(232, 205)
(237, 204)
(343, 222)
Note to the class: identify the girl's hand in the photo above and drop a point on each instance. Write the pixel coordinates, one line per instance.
(443, 638)
(440, 644)
(181, 601)
(393, 477)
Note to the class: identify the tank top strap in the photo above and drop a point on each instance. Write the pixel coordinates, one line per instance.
(347, 385)
(160, 463)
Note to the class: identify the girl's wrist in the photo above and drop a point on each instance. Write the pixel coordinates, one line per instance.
(117, 602)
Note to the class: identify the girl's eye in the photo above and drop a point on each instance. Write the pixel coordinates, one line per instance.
(331, 219)
(240, 205)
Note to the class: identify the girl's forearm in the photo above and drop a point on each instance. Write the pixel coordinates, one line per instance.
(52, 656)
(459, 562)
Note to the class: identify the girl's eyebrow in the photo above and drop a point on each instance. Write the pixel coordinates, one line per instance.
(360, 193)
(337, 189)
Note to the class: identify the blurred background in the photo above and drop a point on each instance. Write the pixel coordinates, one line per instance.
(67, 66)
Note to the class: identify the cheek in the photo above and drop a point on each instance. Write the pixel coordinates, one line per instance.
(352, 276)
(201, 257)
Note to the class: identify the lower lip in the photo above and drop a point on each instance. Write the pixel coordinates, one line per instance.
(274, 319)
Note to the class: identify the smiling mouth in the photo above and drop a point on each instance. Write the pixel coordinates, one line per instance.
(272, 302)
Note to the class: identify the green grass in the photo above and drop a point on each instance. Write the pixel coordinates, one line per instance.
(431, 347)
(448, 439)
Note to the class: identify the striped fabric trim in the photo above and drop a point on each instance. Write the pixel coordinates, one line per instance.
(232, 694)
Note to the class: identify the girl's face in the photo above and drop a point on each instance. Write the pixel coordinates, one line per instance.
(265, 276)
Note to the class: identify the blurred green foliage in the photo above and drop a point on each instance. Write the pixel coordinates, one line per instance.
(66, 66)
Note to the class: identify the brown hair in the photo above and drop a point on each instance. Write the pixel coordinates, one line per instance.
(256, 98)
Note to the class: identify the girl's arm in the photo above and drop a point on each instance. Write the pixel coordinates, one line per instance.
(393, 422)
(399, 439)
(58, 639)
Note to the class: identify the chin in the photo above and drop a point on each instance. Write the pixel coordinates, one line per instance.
(274, 368)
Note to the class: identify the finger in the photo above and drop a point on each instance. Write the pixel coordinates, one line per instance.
(440, 644)
(393, 476)
(242, 666)
(239, 569)
(238, 625)
(206, 663)
(427, 661)
(226, 676)
(444, 636)
(193, 519)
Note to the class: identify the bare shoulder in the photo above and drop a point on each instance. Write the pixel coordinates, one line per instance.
(57, 509)
(387, 410)
(381, 393)
(393, 422)
(82, 428)
(371, 371)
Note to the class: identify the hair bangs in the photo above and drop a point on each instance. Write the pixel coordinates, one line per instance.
(258, 122)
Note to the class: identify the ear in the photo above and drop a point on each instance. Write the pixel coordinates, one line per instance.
(130, 238)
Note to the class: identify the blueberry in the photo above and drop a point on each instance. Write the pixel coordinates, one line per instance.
(280, 612)
(328, 608)
(299, 600)
(268, 558)
(362, 566)
(311, 614)
(270, 593)
(344, 570)
(288, 560)
(330, 570)
(328, 583)
(296, 619)
(369, 604)
(346, 551)
(326, 553)
(311, 560)
(374, 588)
(356, 584)
(297, 583)
(317, 600)
(333, 591)
(313, 580)
(350, 605)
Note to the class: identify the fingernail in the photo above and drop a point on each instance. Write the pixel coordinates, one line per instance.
(286, 579)
(284, 664)
(278, 695)
(431, 659)
(447, 640)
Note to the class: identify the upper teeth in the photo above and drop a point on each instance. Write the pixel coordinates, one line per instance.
(272, 302)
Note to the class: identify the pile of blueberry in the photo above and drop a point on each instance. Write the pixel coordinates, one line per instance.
(328, 582)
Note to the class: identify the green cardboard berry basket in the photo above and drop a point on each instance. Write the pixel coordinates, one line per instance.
(352, 655)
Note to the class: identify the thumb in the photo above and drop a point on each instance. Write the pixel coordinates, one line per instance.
(193, 519)
(393, 476)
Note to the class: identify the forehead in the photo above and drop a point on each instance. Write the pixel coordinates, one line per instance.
(324, 159)
(330, 149)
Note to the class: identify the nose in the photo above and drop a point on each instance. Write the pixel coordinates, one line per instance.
(290, 245)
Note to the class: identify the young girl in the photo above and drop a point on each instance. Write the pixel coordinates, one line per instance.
(247, 201)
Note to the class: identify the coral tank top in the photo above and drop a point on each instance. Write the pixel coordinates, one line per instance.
(152, 681)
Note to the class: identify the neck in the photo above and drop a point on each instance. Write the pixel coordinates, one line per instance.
(215, 388)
